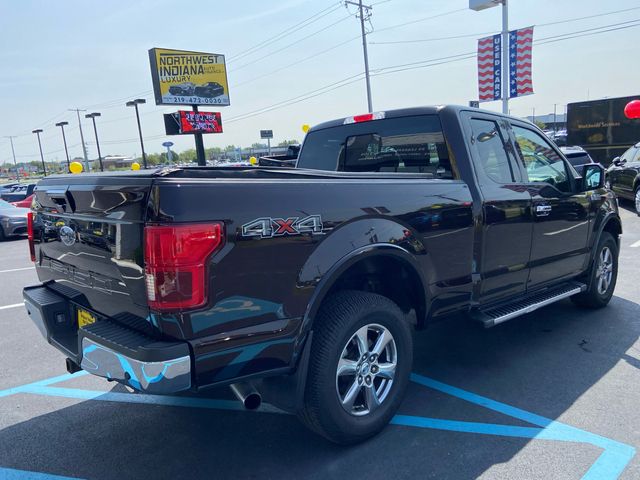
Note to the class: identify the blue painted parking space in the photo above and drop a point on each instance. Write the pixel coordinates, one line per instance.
(613, 459)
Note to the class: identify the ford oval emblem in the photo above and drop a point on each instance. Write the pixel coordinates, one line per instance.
(67, 235)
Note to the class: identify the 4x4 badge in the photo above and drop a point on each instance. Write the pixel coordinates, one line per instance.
(267, 227)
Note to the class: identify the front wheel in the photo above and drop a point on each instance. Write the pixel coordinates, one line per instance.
(636, 198)
(603, 276)
(359, 368)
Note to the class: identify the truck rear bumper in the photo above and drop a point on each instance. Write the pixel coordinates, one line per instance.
(108, 349)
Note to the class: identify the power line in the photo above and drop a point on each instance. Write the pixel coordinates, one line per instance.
(287, 32)
(396, 69)
(558, 22)
(291, 44)
(398, 25)
(296, 63)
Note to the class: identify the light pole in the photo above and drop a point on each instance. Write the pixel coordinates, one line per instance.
(38, 132)
(15, 163)
(84, 147)
(135, 103)
(93, 116)
(64, 140)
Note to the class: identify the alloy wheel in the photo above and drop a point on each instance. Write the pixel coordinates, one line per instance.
(366, 369)
(604, 273)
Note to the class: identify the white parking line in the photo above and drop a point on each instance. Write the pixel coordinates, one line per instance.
(16, 269)
(636, 244)
(15, 305)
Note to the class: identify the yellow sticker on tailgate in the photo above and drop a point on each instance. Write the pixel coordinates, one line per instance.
(85, 318)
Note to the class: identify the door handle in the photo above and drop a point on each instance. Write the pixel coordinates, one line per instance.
(543, 210)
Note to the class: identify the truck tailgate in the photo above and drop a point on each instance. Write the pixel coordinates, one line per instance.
(88, 234)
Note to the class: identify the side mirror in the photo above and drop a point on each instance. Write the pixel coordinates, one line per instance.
(616, 161)
(592, 176)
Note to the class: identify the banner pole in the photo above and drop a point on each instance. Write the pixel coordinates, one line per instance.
(505, 57)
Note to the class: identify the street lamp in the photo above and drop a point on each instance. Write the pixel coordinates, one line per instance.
(93, 116)
(135, 103)
(64, 140)
(38, 132)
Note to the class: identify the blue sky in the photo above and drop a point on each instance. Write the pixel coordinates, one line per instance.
(90, 54)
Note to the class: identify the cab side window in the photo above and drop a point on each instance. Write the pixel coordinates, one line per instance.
(542, 163)
(491, 155)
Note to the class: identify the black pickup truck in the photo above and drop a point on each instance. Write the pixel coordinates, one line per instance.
(303, 285)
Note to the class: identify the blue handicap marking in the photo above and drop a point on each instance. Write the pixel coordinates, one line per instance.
(609, 465)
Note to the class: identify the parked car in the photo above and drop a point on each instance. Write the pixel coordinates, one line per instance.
(186, 89)
(297, 284)
(13, 220)
(18, 192)
(26, 203)
(576, 155)
(7, 186)
(623, 175)
(209, 90)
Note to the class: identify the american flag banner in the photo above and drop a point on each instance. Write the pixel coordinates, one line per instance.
(520, 82)
(489, 68)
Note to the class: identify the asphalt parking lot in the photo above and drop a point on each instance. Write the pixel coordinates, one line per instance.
(553, 394)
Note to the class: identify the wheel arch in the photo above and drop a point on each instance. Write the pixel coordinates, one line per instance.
(376, 261)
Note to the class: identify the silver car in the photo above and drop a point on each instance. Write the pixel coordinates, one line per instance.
(13, 220)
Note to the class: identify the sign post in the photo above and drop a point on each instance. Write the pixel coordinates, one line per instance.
(189, 78)
(168, 146)
(268, 134)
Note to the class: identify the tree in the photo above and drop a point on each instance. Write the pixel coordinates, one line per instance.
(229, 148)
(541, 125)
(258, 145)
(286, 143)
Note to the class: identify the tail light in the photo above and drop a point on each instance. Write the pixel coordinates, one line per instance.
(176, 258)
(32, 248)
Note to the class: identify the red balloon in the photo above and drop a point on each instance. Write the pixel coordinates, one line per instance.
(632, 110)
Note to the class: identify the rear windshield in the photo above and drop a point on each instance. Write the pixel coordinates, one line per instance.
(396, 145)
(579, 158)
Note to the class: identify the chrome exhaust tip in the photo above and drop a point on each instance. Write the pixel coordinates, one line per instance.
(247, 394)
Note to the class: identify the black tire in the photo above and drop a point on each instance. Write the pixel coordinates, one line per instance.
(3, 237)
(592, 297)
(339, 318)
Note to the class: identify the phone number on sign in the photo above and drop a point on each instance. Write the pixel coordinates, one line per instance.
(196, 100)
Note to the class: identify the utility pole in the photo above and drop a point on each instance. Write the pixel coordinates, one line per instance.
(364, 15)
(84, 147)
(13, 152)
(555, 119)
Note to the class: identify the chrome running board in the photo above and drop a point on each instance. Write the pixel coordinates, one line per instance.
(492, 316)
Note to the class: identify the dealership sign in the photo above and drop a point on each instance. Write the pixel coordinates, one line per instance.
(188, 78)
(186, 122)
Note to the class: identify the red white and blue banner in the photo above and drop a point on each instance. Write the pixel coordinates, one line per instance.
(520, 82)
(489, 68)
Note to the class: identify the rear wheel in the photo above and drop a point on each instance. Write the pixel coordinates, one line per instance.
(359, 368)
(636, 198)
(604, 273)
